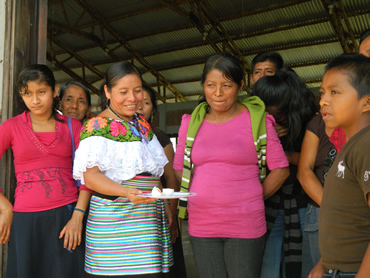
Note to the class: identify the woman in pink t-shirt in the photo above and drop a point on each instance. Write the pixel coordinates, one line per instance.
(46, 231)
(228, 140)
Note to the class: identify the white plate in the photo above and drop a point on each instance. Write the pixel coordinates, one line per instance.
(175, 195)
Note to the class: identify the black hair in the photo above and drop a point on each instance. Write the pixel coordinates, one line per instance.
(67, 84)
(357, 67)
(271, 56)
(39, 73)
(230, 66)
(153, 98)
(114, 73)
(364, 35)
(290, 102)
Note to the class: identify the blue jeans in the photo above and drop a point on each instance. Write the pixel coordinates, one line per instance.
(310, 245)
(227, 257)
(338, 274)
(273, 259)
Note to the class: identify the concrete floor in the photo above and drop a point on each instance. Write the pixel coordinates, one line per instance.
(188, 253)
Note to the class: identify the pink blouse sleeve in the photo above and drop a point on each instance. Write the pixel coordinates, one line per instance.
(83, 187)
(5, 137)
(275, 155)
(178, 162)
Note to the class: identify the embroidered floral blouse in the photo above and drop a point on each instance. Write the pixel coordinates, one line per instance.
(120, 149)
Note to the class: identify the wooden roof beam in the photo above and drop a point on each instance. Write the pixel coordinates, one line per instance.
(222, 33)
(202, 61)
(349, 27)
(191, 16)
(335, 19)
(204, 12)
(77, 57)
(180, 2)
(71, 73)
(54, 26)
(235, 38)
(132, 50)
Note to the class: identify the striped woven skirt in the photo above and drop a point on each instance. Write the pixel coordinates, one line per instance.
(127, 239)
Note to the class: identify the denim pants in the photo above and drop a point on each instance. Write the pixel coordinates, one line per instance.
(228, 257)
(273, 259)
(338, 274)
(310, 244)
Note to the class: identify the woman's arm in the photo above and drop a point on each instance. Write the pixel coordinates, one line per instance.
(306, 174)
(293, 157)
(169, 172)
(275, 160)
(96, 181)
(178, 175)
(364, 269)
(274, 181)
(171, 181)
(6, 218)
(318, 271)
(180, 149)
(72, 231)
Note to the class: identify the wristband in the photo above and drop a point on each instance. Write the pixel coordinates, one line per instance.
(80, 210)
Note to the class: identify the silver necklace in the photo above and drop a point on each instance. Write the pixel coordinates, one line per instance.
(119, 117)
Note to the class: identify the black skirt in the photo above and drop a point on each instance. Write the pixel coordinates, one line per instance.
(35, 249)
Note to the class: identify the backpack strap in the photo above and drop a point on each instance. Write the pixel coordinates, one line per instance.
(77, 182)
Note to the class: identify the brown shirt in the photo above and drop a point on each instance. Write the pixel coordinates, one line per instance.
(344, 219)
(162, 137)
(326, 151)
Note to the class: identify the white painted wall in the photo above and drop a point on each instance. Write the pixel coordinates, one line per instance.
(2, 45)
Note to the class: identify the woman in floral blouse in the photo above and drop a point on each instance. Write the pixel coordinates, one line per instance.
(120, 158)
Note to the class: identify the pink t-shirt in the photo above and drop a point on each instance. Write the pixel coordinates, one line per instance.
(230, 196)
(43, 163)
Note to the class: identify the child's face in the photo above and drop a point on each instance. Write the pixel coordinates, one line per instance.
(38, 98)
(340, 104)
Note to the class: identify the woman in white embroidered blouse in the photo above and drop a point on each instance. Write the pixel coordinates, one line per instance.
(120, 158)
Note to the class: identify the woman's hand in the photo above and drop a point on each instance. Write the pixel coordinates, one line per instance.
(72, 231)
(131, 194)
(174, 230)
(318, 271)
(280, 130)
(6, 218)
(172, 223)
(169, 214)
(274, 181)
(96, 181)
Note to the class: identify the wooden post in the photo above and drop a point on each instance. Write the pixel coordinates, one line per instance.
(41, 19)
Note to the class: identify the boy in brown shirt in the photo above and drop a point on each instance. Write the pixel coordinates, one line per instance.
(344, 219)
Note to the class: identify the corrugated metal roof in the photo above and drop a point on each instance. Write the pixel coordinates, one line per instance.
(168, 41)
(181, 57)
